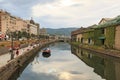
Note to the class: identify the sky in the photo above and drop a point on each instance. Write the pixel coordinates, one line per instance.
(63, 13)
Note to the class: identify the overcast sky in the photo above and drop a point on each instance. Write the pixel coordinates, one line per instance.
(63, 13)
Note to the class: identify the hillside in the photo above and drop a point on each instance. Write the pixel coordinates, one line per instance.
(60, 31)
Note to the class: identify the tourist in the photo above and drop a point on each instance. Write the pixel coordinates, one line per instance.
(17, 52)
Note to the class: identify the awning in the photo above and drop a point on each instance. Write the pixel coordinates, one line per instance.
(101, 37)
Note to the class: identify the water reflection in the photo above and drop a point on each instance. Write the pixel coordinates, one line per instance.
(62, 65)
(36, 59)
(105, 66)
(18, 72)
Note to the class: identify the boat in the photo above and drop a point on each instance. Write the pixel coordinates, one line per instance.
(46, 50)
(46, 53)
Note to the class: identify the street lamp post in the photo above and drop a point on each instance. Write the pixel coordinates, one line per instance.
(28, 33)
(12, 54)
(17, 38)
(10, 33)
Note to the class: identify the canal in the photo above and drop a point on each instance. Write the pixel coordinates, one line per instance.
(71, 63)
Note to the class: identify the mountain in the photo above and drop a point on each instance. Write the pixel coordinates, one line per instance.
(60, 31)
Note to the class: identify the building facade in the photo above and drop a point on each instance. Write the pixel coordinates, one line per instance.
(42, 31)
(105, 34)
(9, 23)
(117, 37)
(33, 28)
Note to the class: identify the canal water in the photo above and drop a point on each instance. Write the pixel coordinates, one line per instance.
(71, 63)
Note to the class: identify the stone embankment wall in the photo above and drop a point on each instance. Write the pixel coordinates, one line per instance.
(8, 70)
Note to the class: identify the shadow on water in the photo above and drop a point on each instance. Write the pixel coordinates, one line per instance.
(105, 66)
(46, 55)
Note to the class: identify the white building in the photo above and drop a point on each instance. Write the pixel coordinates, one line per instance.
(33, 27)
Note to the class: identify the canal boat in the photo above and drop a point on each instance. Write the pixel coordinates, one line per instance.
(46, 53)
(46, 50)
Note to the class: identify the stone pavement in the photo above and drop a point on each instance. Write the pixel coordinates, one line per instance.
(6, 57)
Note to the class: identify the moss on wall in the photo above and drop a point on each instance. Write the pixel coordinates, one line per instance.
(88, 35)
(110, 37)
(98, 33)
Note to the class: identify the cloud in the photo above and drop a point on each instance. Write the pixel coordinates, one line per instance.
(58, 9)
(76, 12)
(16, 9)
(57, 13)
(21, 8)
(1, 0)
(36, 76)
(63, 13)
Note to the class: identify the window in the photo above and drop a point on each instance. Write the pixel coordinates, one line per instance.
(102, 41)
(102, 30)
(81, 40)
(89, 40)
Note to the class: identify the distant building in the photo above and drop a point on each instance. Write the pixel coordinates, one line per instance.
(32, 27)
(77, 35)
(43, 31)
(9, 23)
(12, 23)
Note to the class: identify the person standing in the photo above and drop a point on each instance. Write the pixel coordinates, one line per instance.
(17, 52)
(12, 54)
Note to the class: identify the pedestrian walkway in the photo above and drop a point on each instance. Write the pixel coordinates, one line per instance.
(6, 57)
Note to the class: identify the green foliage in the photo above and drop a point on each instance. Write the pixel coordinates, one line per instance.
(89, 34)
(24, 34)
(19, 34)
(110, 37)
(98, 33)
(103, 34)
(33, 35)
(14, 34)
(75, 43)
(110, 32)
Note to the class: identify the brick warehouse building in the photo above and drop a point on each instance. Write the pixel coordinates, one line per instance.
(105, 34)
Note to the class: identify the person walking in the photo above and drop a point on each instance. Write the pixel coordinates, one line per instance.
(17, 52)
